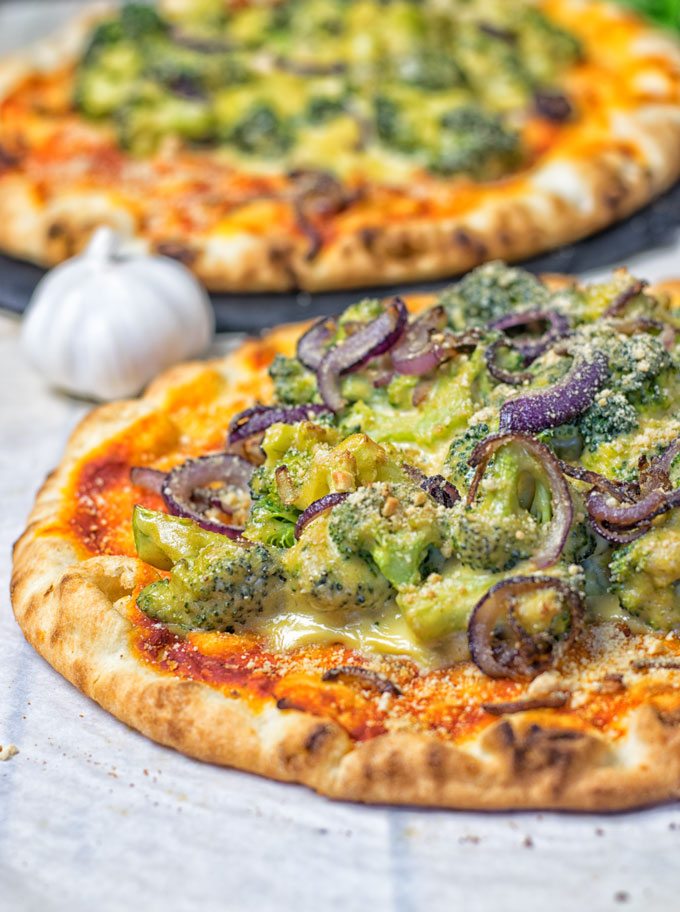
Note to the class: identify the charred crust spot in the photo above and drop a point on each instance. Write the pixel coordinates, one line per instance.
(56, 230)
(463, 238)
(670, 717)
(8, 160)
(368, 237)
(176, 250)
(317, 738)
(435, 759)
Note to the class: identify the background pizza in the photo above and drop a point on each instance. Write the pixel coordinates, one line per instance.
(322, 145)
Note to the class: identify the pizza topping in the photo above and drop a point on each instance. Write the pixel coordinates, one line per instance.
(509, 640)
(385, 83)
(149, 479)
(327, 502)
(189, 489)
(371, 340)
(356, 514)
(554, 324)
(561, 509)
(363, 676)
(253, 422)
(563, 402)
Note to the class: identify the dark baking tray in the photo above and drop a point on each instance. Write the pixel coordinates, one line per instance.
(651, 227)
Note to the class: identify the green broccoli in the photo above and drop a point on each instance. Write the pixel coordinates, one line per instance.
(153, 113)
(474, 142)
(271, 522)
(635, 362)
(322, 108)
(140, 21)
(489, 292)
(293, 383)
(609, 416)
(391, 526)
(457, 466)
(435, 70)
(645, 575)
(331, 581)
(261, 132)
(224, 587)
(503, 525)
(215, 583)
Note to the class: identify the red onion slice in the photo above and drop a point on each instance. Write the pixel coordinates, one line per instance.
(311, 346)
(562, 507)
(415, 354)
(623, 298)
(622, 490)
(627, 515)
(149, 479)
(184, 479)
(559, 404)
(436, 486)
(373, 339)
(512, 378)
(315, 509)
(619, 536)
(256, 420)
(527, 656)
(530, 349)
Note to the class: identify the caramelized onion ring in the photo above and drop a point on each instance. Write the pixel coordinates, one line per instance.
(527, 657)
(183, 480)
(562, 508)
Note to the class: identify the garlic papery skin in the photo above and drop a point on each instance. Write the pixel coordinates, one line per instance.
(102, 324)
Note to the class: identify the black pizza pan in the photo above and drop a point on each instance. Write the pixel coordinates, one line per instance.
(650, 228)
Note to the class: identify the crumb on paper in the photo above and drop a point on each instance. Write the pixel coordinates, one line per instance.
(7, 751)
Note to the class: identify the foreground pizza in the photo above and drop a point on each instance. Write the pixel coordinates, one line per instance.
(322, 144)
(442, 569)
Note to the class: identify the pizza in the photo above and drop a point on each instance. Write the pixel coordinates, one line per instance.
(424, 555)
(313, 144)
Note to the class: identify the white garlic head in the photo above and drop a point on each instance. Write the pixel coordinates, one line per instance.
(102, 324)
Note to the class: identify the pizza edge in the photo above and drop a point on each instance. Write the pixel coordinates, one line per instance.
(544, 212)
(67, 611)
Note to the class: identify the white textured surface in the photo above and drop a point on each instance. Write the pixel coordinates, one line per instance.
(94, 818)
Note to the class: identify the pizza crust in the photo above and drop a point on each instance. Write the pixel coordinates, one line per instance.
(564, 197)
(71, 610)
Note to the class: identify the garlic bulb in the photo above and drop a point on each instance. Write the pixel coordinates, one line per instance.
(102, 324)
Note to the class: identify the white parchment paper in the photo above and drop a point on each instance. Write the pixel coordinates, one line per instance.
(95, 818)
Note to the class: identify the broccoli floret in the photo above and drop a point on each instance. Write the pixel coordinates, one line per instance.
(432, 70)
(493, 541)
(316, 569)
(224, 587)
(635, 362)
(106, 79)
(457, 466)
(391, 526)
(152, 114)
(270, 521)
(139, 21)
(442, 603)
(261, 132)
(503, 524)
(489, 292)
(321, 109)
(645, 575)
(608, 417)
(105, 35)
(293, 383)
(474, 142)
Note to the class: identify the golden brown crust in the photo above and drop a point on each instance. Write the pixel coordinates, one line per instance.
(72, 610)
(573, 191)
